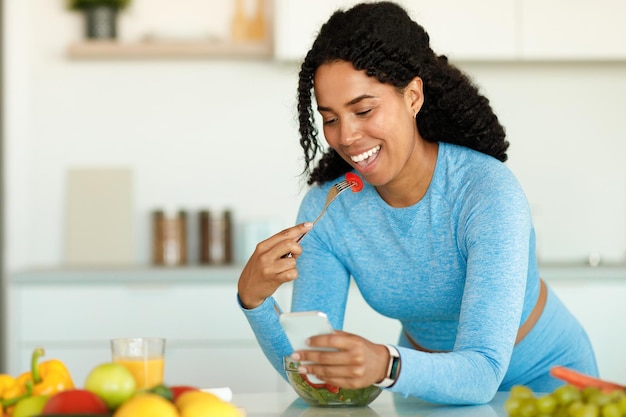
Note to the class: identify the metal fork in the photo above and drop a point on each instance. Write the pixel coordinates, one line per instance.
(333, 193)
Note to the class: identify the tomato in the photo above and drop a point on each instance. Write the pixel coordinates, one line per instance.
(313, 384)
(355, 180)
(329, 388)
(75, 401)
(332, 388)
(177, 390)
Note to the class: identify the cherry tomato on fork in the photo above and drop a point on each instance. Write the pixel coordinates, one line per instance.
(355, 181)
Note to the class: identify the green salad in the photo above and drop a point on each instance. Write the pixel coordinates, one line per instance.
(326, 395)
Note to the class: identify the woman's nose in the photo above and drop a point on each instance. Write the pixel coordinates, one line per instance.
(349, 132)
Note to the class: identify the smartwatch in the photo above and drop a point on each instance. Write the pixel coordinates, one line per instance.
(393, 369)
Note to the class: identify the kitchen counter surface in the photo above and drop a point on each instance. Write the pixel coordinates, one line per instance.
(386, 405)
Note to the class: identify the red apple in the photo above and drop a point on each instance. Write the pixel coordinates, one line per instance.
(75, 401)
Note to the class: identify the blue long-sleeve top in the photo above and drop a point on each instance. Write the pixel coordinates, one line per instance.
(458, 270)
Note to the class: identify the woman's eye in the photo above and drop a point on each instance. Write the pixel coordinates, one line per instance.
(329, 121)
(364, 112)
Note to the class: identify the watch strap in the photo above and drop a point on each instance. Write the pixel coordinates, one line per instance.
(393, 369)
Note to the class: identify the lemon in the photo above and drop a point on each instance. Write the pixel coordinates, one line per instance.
(146, 405)
(200, 408)
(203, 404)
(189, 397)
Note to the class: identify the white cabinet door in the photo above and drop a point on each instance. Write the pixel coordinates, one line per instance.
(296, 24)
(573, 29)
(599, 306)
(469, 30)
(244, 369)
(88, 313)
(209, 341)
(476, 30)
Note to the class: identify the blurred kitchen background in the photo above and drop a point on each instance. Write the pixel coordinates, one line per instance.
(195, 116)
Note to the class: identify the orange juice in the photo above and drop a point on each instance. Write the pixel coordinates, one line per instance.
(148, 372)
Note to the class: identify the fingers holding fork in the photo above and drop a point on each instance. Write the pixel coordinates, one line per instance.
(266, 270)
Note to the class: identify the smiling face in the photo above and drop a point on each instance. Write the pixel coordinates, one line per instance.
(372, 126)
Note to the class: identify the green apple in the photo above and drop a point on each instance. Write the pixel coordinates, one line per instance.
(30, 406)
(112, 382)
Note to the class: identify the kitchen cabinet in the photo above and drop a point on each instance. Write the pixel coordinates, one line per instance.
(476, 30)
(296, 24)
(596, 297)
(573, 29)
(482, 29)
(526, 30)
(74, 313)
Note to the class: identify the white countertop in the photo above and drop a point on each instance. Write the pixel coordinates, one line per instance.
(386, 405)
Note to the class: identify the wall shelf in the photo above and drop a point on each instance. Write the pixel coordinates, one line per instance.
(221, 274)
(169, 49)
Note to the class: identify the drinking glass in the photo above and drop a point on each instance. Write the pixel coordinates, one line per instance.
(143, 357)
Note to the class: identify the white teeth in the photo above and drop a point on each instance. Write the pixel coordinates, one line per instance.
(365, 155)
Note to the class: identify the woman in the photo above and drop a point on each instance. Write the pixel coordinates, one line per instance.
(440, 238)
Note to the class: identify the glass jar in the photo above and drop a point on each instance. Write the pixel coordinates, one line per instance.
(216, 237)
(169, 237)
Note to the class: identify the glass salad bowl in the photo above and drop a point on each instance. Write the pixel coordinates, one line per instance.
(325, 395)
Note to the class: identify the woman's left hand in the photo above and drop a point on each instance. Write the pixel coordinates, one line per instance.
(357, 363)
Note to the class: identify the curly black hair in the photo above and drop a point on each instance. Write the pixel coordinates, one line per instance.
(381, 39)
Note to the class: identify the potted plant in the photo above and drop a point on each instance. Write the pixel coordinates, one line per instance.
(100, 16)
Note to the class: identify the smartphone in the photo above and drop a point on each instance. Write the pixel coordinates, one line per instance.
(299, 326)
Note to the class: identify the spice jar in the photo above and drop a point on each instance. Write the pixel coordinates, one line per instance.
(216, 237)
(169, 237)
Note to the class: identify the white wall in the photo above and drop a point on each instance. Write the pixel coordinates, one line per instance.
(221, 133)
(197, 133)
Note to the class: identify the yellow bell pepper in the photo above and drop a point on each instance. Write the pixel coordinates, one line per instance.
(48, 377)
(45, 378)
(8, 386)
(11, 392)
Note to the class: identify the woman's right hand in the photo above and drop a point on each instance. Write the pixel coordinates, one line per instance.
(267, 269)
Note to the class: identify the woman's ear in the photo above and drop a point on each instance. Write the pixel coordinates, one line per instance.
(414, 94)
